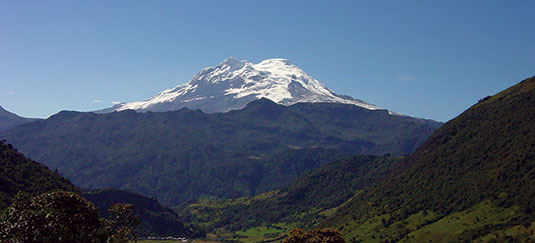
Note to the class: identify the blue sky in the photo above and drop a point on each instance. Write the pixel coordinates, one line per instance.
(430, 59)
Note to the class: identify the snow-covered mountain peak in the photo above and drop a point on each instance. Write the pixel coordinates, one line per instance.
(232, 84)
(232, 64)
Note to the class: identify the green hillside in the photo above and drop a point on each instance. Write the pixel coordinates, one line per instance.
(303, 203)
(17, 173)
(183, 155)
(471, 180)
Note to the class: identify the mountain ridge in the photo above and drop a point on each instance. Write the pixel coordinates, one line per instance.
(176, 155)
(9, 119)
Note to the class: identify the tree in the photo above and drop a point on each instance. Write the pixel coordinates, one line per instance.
(324, 235)
(52, 217)
(123, 223)
(63, 217)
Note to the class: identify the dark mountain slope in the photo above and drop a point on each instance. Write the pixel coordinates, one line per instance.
(482, 160)
(18, 173)
(9, 120)
(181, 155)
(155, 219)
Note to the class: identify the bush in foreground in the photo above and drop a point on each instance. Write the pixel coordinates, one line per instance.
(64, 217)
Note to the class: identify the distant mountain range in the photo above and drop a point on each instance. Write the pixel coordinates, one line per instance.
(182, 155)
(233, 84)
(9, 120)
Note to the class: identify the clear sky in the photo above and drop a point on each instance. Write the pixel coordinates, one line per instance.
(430, 59)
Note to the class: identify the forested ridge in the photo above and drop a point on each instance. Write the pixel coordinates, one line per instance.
(183, 155)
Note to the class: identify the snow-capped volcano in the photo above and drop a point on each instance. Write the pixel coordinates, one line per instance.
(233, 84)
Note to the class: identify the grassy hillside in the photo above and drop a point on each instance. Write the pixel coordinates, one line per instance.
(303, 203)
(472, 179)
(17, 173)
(183, 155)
